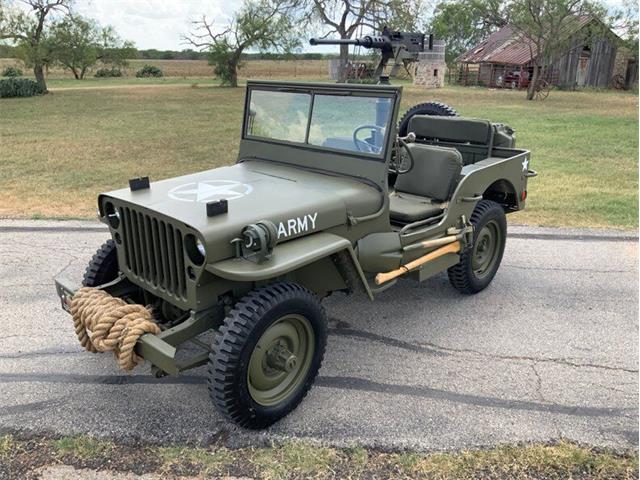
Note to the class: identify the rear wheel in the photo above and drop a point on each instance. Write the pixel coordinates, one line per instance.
(103, 266)
(479, 264)
(267, 354)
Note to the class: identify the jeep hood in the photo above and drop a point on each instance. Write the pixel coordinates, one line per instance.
(297, 201)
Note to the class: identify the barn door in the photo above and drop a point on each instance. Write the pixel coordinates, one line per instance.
(583, 67)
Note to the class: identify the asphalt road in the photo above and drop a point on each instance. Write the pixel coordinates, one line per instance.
(548, 351)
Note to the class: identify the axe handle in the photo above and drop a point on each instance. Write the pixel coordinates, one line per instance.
(449, 248)
(438, 242)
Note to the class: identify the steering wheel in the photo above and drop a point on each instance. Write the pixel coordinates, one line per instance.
(364, 145)
(397, 160)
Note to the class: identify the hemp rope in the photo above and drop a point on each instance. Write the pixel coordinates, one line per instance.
(105, 323)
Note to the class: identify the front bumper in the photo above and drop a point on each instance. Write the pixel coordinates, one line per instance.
(160, 350)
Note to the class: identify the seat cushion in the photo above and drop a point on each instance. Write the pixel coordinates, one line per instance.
(452, 129)
(434, 174)
(407, 208)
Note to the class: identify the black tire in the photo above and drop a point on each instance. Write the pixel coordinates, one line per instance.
(486, 217)
(229, 363)
(103, 266)
(430, 108)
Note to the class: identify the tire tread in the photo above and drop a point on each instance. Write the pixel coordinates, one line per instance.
(438, 109)
(459, 274)
(103, 266)
(228, 343)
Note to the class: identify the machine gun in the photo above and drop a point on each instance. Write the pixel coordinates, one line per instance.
(400, 47)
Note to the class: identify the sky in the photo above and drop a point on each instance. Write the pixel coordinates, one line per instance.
(161, 23)
(155, 23)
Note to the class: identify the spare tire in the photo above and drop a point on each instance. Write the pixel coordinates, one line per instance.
(429, 108)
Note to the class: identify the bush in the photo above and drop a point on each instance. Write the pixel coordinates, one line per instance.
(149, 71)
(19, 87)
(11, 72)
(108, 72)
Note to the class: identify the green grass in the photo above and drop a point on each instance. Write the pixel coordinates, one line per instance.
(208, 462)
(82, 447)
(57, 152)
(302, 460)
(584, 146)
(7, 446)
(91, 82)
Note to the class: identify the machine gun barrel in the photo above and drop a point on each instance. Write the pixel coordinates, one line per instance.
(400, 47)
(366, 42)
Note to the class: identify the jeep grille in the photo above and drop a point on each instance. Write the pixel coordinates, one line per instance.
(153, 251)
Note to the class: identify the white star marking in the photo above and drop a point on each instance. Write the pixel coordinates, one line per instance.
(525, 164)
(209, 190)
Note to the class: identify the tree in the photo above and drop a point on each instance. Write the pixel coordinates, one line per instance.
(346, 17)
(259, 25)
(464, 23)
(624, 21)
(112, 50)
(29, 31)
(546, 27)
(78, 44)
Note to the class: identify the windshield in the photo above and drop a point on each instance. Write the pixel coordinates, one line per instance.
(353, 123)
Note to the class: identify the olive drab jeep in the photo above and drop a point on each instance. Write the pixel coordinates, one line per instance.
(330, 193)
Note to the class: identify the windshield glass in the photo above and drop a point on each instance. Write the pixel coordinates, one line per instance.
(354, 123)
(279, 115)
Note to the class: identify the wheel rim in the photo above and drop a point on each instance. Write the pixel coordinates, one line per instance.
(486, 249)
(281, 360)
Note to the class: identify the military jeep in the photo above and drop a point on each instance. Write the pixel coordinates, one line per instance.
(330, 193)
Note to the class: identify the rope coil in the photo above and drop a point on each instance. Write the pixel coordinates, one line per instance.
(105, 323)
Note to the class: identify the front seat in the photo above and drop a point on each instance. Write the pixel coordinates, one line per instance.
(420, 193)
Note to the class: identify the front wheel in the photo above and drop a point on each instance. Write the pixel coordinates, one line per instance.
(267, 354)
(103, 266)
(479, 264)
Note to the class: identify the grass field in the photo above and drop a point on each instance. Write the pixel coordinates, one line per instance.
(58, 151)
(299, 460)
(301, 69)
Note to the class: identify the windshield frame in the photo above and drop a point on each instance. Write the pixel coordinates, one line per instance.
(350, 90)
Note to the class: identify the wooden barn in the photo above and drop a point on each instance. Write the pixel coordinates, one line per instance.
(504, 59)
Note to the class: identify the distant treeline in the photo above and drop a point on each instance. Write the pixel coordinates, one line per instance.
(7, 51)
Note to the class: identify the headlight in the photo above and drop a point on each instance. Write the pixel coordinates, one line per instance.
(200, 247)
(113, 215)
(195, 249)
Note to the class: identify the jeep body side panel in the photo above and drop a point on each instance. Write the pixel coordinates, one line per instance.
(477, 178)
(289, 257)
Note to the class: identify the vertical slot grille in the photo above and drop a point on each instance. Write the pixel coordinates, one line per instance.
(154, 251)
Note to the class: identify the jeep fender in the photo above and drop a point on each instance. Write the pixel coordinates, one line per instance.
(499, 179)
(333, 255)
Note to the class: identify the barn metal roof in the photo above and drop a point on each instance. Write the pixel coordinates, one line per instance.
(507, 47)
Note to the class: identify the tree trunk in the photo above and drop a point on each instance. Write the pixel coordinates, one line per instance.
(344, 61)
(82, 73)
(533, 84)
(233, 73)
(75, 73)
(39, 74)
